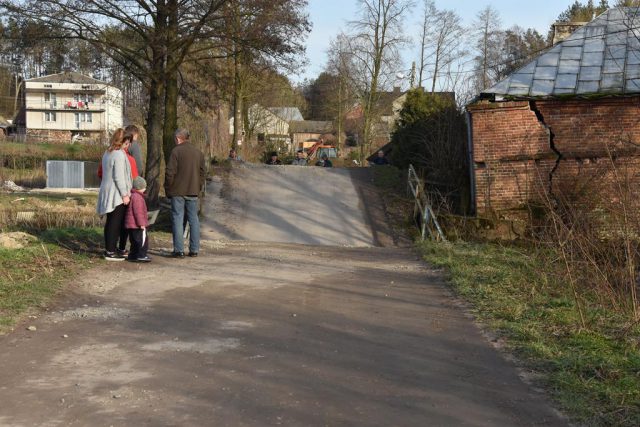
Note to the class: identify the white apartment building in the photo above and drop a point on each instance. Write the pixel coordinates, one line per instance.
(69, 107)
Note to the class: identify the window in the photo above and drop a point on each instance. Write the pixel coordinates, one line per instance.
(50, 99)
(49, 116)
(83, 97)
(83, 118)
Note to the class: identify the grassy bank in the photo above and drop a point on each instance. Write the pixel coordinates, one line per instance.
(46, 210)
(592, 372)
(32, 276)
(24, 163)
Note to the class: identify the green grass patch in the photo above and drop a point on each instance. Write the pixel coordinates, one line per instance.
(592, 372)
(32, 276)
(388, 177)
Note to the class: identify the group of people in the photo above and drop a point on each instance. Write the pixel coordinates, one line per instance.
(121, 195)
(300, 160)
(121, 198)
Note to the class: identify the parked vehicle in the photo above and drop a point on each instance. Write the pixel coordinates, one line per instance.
(317, 150)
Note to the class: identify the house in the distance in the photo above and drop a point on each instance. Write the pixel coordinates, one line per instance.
(305, 133)
(385, 113)
(270, 124)
(70, 107)
(564, 124)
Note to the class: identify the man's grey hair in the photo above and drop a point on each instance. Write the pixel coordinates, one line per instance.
(182, 133)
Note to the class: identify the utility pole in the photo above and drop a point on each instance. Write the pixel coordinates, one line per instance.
(412, 78)
(16, 60)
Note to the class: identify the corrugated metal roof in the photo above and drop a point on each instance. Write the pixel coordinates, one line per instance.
(603, 57)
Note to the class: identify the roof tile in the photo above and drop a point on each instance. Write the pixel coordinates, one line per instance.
(591, 60)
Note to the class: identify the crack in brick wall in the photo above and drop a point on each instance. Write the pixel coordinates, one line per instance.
(534, 107)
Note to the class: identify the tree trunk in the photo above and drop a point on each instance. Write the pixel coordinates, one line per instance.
(155, 113)
(171, 81)
(237, 103)
(154, 140)
(435, 71)
(170, 114)
(340, 101)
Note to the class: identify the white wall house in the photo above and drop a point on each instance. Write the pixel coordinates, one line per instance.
(71, 107)
(270, 124)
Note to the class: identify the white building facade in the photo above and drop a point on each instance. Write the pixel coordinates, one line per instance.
(70, 107)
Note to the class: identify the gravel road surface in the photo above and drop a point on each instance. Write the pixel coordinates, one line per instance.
(337, 331)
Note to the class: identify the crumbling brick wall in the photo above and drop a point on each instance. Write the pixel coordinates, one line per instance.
(523, 150)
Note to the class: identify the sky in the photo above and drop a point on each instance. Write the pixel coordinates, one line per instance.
(330, 17)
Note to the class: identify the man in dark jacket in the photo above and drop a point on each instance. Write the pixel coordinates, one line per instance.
(184, 178)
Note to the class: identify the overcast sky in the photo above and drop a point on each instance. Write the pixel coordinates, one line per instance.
(329, 17)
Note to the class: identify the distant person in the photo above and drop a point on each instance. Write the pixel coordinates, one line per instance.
(299, 160)
(136, 221)
(326, 162)
(184, 177)
(233, 156)
(381, 159)
(135, 149)
(114, 194)
(273, 159)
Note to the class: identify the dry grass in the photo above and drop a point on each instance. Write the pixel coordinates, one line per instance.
(46, 211)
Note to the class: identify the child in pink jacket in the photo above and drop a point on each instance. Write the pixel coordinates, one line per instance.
(136, 221)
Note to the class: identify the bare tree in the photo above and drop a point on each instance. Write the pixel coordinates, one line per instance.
(488, 46)
(442, 41)
(341, 65)
(152, 40)
(374, 46)
(267, 35)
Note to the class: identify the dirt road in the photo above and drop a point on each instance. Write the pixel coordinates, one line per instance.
(293, 204)
(261, 334)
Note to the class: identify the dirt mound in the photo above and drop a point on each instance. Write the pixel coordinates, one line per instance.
(16, 240)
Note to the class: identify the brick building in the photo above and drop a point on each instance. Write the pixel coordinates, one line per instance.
(564, 122)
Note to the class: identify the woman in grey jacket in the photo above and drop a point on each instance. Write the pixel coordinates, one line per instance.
(114, 194)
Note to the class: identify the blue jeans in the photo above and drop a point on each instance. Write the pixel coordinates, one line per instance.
(178, 206)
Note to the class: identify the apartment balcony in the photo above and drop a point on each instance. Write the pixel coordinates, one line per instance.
(65, 106)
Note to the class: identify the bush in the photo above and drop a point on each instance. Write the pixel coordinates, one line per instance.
(431, 135)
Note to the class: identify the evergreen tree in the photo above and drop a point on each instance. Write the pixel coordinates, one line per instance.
(431, 135)
(579, 12)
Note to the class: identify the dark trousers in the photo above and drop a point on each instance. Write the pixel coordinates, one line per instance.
(114, 227)
(139, 243)
(124, 235)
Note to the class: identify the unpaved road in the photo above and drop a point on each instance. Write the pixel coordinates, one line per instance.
(290, 204)
(261, 334)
